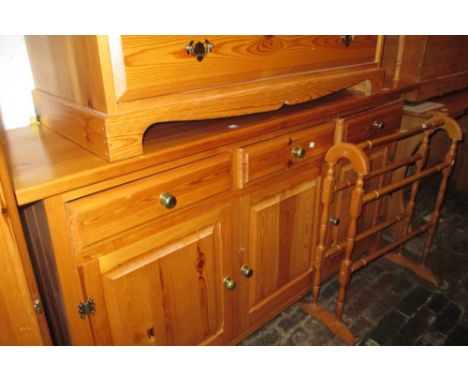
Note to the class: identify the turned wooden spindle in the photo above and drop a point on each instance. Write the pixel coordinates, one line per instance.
(434, 220)
(327, 197)
(355, 209)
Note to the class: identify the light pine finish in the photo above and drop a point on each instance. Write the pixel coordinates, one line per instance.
(20, 324)
(279, 238)
(438, 64)
(70, 67)
(157, 65)
(169, 292)
(121, 246)
(265, 158)
(45, 164)
(84, 93)
(104, 214)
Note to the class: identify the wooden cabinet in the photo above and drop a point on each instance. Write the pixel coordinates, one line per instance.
(234, 251)
(166, 289)
(437, 64)
(104, 92)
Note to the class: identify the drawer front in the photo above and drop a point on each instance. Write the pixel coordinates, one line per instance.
(157, 65)
(107, 213)
(286, 151)
(373, 123)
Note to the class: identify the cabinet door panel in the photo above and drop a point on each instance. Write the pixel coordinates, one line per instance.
(281, 240)
(172, 294)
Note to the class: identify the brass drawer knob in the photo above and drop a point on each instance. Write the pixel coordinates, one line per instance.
(334, 221)
(378, 125)
(167, 200)
(298, 152)
(199, 49)
(246, 271)
(229, 283)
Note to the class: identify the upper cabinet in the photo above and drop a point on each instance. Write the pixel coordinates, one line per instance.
(438, 64)
(158, 65)
(104, 92)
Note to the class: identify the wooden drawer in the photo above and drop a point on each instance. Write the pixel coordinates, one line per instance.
(157, 65)
(373, 123)
(107, 213)
(264, 158)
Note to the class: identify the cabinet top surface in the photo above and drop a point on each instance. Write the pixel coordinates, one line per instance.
(44, 163)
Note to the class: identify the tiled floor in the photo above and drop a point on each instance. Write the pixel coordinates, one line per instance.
(389, 305)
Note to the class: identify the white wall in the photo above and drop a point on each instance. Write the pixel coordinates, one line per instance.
(16, 82)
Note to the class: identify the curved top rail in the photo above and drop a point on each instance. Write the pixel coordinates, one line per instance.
(449, 125)
(352, 153)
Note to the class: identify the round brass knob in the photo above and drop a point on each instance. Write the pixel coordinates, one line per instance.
(334, 221)
(229, 283)
(298, 152)
(246, 271)
(167, 200)
(378, 125)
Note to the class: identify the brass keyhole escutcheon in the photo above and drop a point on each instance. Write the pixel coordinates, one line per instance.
(246, 271)
(199, 49)
(229, 283)
(167, 200)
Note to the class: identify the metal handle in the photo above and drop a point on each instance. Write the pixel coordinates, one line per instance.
(347, 40)
(334, 221)
(199, 49)
(167, 200)
(229, 283)
(298, 152)
(378, 125)
(246, 271)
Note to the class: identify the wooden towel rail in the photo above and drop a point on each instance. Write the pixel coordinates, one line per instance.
(356, 154)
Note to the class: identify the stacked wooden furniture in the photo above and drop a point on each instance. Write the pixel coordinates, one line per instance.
(157, 210)
(211, 231)
(103, 92)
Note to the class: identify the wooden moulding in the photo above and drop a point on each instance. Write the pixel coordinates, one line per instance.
(118, 135)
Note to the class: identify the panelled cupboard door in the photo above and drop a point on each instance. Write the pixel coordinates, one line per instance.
(280, 243)
(166, 290)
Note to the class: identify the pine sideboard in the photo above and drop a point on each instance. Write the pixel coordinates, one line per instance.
(169, 192)
(203, 238)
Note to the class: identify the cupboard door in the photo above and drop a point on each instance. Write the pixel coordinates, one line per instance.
(167, 289)
(280, 244)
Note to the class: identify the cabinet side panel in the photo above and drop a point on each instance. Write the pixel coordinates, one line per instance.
(40, 250)
(71, 68)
